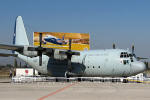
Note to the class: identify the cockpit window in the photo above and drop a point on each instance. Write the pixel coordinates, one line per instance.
(121, 56)
(124, 55)
(131, 59)
(130, 55)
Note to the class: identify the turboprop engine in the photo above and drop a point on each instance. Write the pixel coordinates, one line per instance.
(28, 53)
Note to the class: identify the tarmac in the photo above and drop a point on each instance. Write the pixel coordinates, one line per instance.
(73, 91)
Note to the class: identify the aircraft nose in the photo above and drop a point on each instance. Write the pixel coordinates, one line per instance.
(138, 67)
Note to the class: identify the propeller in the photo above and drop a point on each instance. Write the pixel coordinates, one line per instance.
(146, 64)
(138, 58)
(50, 52)
(40, 49)
(69, 54)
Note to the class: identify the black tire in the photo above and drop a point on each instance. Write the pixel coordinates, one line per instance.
(125, 81)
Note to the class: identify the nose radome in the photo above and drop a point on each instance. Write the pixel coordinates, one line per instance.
(142, 66)
(138, 67)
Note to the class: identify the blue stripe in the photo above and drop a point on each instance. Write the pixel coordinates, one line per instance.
(14, 37)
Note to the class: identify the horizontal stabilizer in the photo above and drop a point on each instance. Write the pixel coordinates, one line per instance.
(7, 55)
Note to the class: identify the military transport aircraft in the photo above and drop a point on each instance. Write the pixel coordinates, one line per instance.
(69, 63)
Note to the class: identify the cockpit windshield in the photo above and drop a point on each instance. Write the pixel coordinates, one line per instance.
(124, 55)
(132, 55)
(127, 55)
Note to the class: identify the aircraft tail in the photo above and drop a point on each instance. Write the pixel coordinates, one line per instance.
(20, 36)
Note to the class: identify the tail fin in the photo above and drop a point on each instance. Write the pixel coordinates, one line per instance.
(20, 36)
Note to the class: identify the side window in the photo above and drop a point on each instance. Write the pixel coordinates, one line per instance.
(125, 62)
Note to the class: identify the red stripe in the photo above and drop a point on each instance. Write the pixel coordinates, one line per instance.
(55, 92)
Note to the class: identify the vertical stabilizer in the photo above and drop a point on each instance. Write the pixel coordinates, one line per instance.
(20, 36)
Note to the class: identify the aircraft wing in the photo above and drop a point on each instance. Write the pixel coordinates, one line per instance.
(27, 49)
(11, 47)
(21, 48)
(7, 55)
(32, 51)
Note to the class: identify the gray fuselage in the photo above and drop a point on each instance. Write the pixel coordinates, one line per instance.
(92, 63)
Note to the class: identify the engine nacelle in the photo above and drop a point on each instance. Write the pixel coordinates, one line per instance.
(59, 56)
(29, 53)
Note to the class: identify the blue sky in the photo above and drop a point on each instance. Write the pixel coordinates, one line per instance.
(123, 22)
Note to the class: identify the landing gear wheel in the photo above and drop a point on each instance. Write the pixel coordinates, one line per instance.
(67, 75)
(79, 79)
(125, 81)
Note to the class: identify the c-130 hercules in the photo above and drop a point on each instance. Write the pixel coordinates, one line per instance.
(69, 63)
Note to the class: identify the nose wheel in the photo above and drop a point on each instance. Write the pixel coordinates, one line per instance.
(125, 80)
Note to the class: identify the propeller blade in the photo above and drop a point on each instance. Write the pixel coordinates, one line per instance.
(132, 49)
(139, 58)
(7, 55)
(40, 49)
(76, 53)
(66, 53)
(40, 58)
(146, 64)
(69, 65)
(40, 39)
(70, 41)
(114, 46)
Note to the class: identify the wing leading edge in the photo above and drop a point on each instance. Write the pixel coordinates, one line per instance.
(7, 55)
(11, 47)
